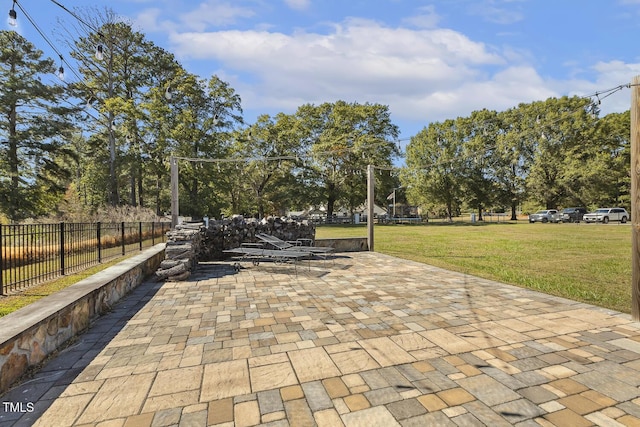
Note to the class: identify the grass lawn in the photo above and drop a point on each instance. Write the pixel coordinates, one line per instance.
(588, 263)
(18, 300)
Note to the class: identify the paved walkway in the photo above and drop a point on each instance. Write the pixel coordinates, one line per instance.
(369, 340)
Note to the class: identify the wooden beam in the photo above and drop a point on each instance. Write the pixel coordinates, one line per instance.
(371, 179)
(175, 207)
(635, 198)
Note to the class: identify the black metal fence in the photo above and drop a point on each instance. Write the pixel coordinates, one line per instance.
(35, 253)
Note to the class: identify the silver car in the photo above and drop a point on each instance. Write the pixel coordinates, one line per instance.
(604, 215)
(547, 215)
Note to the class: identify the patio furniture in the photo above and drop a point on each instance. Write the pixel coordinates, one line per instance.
(256, 255)
(298, 247)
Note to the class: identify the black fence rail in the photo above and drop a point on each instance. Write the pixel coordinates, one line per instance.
(31, 254)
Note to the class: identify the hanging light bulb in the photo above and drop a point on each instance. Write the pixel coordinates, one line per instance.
(216, 119)
(12, 20)
(168, 93)
(61, 69)
(99, 53)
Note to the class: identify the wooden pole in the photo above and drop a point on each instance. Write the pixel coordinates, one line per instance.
(175, 209)
(370, 202)
(635, 198)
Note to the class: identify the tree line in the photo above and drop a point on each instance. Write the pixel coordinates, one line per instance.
(105, 137)
(547, 154)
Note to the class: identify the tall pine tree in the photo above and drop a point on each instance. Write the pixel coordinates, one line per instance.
(33, 129)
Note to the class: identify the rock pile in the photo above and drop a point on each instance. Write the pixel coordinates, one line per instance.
(231, 233)
(183, 248)
(190, 242)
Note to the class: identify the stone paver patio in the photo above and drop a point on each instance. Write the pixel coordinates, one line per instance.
(365, 340)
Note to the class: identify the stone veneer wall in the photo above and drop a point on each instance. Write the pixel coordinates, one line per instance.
(345, 244)
(29, 335)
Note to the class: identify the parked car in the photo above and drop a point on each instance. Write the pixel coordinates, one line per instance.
(548, 215)
(604, 215)
(573, 214)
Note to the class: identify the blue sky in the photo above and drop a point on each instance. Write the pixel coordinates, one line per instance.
(427, 60)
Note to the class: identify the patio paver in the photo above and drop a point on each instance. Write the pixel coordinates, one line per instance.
(366, 340)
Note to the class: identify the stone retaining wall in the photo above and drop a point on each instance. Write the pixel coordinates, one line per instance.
(345, 244)
(29, 335)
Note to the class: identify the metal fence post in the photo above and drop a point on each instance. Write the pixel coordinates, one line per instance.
(153, 234)
(1, 262)
(124, 249)
(62, 248)
(140, 233)
(99, 238)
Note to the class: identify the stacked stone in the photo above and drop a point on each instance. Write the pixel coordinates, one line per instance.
(181, 252)
(233, 232)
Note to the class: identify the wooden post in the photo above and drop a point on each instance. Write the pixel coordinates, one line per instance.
(635, 198)
(370, 203)
(174, 192)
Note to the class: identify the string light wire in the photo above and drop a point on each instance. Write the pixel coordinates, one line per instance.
(283, 157)
(46, 39)
(82, 21)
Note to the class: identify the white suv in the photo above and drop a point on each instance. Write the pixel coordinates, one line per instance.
(604, 215)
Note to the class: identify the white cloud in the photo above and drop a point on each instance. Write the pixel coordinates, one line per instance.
(149, 19)
(209, 13)
(422, 73)
(501, 91)
(359, 60)
(425, 18)
(609, 75)
(214, 13)
(492, 11)
(298, 4)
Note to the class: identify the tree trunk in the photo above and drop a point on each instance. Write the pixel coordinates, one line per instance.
(13, 166)
(260, 206)
(140, 186)
(158, 190)
(331, 201)
(133, 188)
(113, 179)
(450, 210)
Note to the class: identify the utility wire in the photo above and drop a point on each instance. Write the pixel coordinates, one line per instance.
(46, 39)
(82, 21)
(272, 158)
